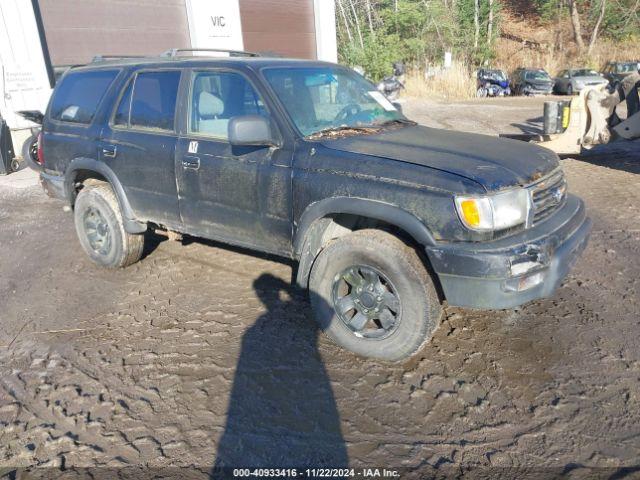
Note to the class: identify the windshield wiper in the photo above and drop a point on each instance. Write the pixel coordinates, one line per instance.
(397, 121)
(343, 129)
(355, 129)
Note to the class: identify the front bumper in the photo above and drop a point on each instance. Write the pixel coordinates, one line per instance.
(482, 275)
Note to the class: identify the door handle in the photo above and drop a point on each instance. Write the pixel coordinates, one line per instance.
(190, 162)
(109, 151)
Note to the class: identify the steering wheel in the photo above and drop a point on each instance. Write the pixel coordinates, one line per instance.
(348, 111)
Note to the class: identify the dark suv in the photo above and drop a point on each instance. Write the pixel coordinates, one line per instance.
(306, 160)
(615, 72)
(531, 81)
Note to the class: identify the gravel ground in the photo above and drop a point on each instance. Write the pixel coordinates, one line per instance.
(201, 354)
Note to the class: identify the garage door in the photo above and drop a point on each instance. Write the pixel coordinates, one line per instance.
(283, 26)
(77, 30)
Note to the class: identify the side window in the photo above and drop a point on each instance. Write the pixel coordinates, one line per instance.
(76, 99)
(153, 100)
(217, 97)
(124, 107)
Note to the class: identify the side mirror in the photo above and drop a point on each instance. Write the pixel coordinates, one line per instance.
(249, 130)
(397, 105)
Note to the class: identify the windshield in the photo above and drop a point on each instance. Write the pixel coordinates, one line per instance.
(498, 75)
(537, 75)
(321, 98)
(627, 67)
(585, 73)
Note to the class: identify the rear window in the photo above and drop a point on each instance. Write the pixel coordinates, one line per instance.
(77, 98)
(149, 101)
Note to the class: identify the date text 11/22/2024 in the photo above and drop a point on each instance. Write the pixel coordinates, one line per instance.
(315, 473)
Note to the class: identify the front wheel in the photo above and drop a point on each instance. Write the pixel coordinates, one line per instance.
(100, 228)
(372, 295)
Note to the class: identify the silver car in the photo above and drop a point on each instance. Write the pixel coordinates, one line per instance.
(573, 81)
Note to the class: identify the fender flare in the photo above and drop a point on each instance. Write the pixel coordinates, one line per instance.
(131, 225)
(312, 223)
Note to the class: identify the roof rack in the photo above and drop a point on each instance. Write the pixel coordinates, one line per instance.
(173, 52)
(103, 58)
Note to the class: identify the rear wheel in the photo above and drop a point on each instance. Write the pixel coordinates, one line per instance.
(100, 228)
(372, 295)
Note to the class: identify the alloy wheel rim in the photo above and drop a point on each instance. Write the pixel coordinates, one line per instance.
(366, 301)
(97, 231)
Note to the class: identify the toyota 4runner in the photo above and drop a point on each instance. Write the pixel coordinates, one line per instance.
(306, 160)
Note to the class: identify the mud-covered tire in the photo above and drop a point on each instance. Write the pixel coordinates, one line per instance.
(399, 264)
(118, 248)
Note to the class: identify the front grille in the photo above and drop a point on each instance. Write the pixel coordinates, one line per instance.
(548, 195)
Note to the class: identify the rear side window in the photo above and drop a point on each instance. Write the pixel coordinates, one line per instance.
(122, 113)
(77, 98)
(149, 101)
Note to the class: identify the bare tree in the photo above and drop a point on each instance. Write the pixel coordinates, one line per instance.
(575, 23)
(476, 22)
(596, 28)
(368, 5)
(345, 20)
(490, 23)
(357, 22)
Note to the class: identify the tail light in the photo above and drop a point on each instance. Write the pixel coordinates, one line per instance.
(40, 156)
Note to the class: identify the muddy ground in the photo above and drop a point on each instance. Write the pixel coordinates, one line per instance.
(202, 354)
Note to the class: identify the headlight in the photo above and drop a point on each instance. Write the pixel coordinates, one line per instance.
(494, 212)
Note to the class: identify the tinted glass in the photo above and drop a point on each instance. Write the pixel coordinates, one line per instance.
(320, 98)
(77, 97)
(585, 73)
(217, 97)
(154, 100)
(537, 75)
(627, 67)
(122, 114)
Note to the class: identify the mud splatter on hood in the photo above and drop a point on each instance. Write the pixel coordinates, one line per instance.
(493, 162)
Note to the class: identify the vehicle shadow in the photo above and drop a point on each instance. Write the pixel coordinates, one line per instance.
(624, 157)
(151, 242)
(533, 126)
(282, 412)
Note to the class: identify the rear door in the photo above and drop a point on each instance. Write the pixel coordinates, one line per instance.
(240, 195)
(139, 145)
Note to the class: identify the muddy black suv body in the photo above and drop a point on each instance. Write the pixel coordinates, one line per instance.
(387, 219)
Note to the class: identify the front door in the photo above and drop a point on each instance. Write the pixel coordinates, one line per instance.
(239, 195)
(139, 146)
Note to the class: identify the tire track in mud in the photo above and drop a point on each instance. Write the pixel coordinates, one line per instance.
(147, 378)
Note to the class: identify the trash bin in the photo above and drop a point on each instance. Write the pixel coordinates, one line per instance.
(556, 117)
(6, 149)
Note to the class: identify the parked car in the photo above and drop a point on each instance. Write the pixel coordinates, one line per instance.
(575, 80)
(492, 83)
(615, 72)
(308, 161)
(531, 81)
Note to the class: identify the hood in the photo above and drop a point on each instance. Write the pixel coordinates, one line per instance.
(591, 78)
(541, 83)
(492, 162)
